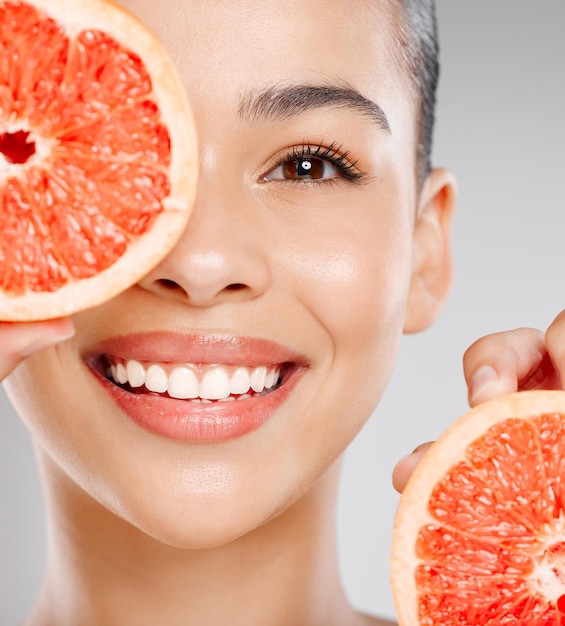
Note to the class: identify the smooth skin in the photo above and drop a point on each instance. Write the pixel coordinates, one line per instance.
(144, 530)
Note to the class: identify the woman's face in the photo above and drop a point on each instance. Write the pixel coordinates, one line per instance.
(297, 259)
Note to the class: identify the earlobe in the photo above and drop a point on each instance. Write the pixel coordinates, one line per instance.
(432, 265)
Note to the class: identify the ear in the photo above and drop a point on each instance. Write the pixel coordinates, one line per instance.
(432, 265)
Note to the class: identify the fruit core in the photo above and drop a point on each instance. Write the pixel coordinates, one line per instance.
(16, 147)
(549, 574)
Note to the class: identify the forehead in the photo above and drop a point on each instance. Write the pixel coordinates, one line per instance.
(311, 16)
(353, 39)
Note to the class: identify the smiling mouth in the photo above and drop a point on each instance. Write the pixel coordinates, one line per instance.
(199, 383)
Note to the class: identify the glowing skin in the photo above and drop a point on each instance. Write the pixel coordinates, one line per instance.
(317, 270)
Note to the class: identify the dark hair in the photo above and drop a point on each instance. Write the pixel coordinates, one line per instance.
(420, 51)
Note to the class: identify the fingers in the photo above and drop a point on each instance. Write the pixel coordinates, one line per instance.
(18, 340)
(494, 365)
(507, 362)
(555, 346)
(502, 363)
(406, 466)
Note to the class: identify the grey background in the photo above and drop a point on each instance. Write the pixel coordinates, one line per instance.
(501, 130)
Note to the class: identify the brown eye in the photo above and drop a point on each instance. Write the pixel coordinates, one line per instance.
(311, 168)
(304, 168)
(315, 164)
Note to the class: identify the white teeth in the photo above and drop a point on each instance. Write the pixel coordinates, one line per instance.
(156, 379)
(257, 378)
(136, 373)
(121, 374)
(239, 381)
(271, 378)
(183, 383)
(217, 382)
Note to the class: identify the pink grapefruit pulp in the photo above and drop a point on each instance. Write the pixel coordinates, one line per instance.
(479, 535)
(98, 155)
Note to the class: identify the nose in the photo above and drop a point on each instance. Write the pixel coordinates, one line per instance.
(220, 257)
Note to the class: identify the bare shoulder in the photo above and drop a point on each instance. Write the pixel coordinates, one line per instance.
(368, 620)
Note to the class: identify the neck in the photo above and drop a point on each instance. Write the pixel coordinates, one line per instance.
(102, 570)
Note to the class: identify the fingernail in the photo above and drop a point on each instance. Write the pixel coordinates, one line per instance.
(54, 334)
(485, 377)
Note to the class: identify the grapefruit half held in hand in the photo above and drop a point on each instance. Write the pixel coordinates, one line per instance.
(97, 155)
(479, 536)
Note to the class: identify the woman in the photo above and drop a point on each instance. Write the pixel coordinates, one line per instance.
(320, 234)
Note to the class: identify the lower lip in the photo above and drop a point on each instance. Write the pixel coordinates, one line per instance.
(188, 421)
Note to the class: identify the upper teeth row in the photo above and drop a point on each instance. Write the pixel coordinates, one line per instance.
(217, 383)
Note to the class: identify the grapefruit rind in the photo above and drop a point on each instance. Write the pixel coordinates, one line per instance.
(412, 513)
(169, 95)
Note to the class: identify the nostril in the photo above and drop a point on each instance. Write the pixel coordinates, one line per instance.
(169, 285)
(196, 292)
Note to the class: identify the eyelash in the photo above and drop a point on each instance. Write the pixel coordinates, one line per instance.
(331, 154)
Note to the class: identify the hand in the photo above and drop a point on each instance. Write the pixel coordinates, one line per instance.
(18, 340)
(503, 363)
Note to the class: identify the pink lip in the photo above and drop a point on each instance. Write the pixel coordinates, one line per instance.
(192, 421)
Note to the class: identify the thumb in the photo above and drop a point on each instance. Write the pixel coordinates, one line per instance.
(21, 339)
(407, 465)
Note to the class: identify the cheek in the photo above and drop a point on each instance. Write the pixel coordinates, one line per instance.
(62, 413)
(356, 284)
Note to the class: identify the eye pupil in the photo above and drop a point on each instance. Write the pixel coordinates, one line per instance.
(308, 168)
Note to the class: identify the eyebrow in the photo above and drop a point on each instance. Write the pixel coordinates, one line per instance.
(282, 102)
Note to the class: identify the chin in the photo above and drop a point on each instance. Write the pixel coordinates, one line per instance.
(193, 525)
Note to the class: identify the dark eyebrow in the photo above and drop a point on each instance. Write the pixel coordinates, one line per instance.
(282, 102)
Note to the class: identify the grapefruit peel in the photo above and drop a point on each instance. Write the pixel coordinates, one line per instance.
(173, 116)
(479, 534)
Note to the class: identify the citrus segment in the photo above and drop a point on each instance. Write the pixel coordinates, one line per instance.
(480, 530)
(97, 155)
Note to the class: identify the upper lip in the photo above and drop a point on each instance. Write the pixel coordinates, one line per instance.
(213, 348)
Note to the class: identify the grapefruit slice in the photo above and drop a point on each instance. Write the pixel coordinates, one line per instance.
(98, 156)
(479, 535)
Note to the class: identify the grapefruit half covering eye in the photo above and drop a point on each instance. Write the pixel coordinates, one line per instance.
(479, 536)
(98, 156)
